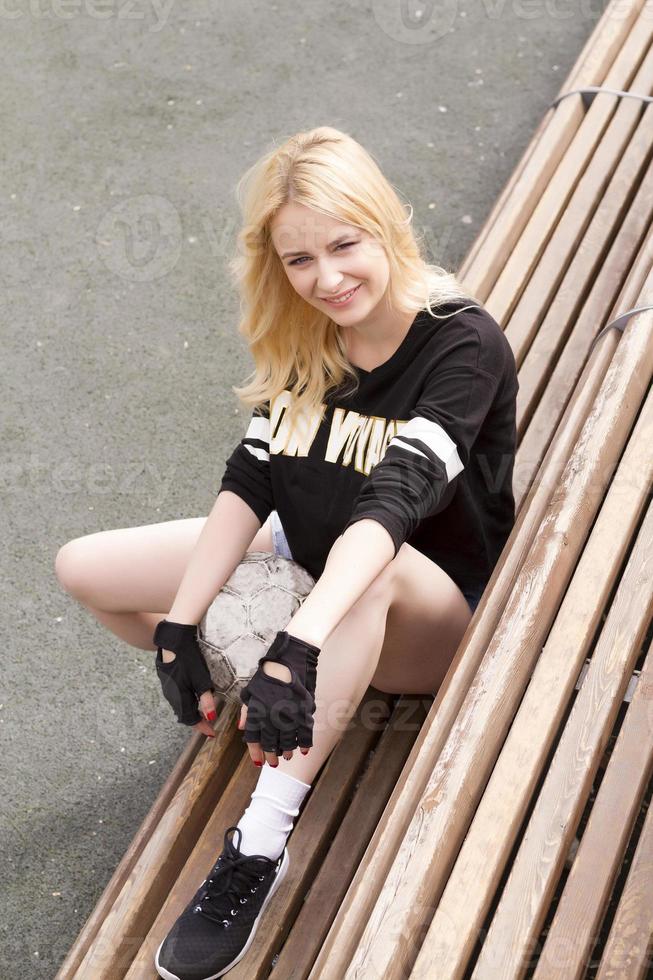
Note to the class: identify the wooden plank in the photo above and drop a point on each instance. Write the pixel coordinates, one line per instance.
(590, 284)
(158, 865)
(501, 230)
(443, 811)
(483, 857)
(526, 896)
(582, 905)
(330, 885)
(568, 236)
(628, 953)
(564, 391)
(88, 933)
(526, 253)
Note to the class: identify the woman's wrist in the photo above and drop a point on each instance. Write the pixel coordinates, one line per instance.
(304, 629)
(168, 656)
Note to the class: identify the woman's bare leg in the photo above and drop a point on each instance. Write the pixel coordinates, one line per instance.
(128, 578)
(400, 637)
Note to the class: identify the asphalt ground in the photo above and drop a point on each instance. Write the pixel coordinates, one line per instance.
(125, 127)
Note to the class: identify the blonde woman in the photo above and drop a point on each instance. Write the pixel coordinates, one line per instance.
(379, 456)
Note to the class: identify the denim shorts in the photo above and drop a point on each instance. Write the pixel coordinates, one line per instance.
(280, 547)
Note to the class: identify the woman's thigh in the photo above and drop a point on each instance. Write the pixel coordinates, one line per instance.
(427, 619)
(135, 569)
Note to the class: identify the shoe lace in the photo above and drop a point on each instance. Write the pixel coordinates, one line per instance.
(232, 883)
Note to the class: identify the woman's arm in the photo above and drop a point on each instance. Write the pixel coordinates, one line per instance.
(227, 534)
(355, 560)
(221, 546)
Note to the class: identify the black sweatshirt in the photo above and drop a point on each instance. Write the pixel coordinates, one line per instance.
(426, 447)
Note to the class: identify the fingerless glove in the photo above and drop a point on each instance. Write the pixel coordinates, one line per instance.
(280, 713)
(185, 678)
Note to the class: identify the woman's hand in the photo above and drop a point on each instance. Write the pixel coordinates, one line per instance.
(256, 753)
(183, 674)
(279, 701)
(206, 706)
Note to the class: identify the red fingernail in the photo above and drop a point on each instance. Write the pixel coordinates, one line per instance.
(257, 763)
(304, 751)
(211, 715)
(274, 764)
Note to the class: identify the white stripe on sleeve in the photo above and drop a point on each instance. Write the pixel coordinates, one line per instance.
(259, 429)
(434, 436)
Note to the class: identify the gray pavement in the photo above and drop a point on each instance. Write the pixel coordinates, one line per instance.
(124, 130)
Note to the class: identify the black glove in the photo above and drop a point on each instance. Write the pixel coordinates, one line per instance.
(280, 713)
(187, 676)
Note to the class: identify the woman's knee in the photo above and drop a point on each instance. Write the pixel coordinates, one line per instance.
(132, 569)
(71, 566)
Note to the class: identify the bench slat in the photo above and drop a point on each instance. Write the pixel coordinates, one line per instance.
(585, 392)
(579, 913)
(483, 857)
(539, 409)
(550, 207)
(628, 953)
(536, 868)
(583, 183)
(574, 253)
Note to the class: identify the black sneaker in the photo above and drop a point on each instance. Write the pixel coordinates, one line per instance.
(218, 925)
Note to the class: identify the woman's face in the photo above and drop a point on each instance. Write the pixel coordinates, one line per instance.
(329, 258)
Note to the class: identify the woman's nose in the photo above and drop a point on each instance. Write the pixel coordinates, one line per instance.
(328, 278)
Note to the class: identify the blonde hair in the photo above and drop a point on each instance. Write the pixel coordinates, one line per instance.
(293, 344)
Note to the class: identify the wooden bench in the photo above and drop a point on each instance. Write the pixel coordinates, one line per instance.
(500, 828)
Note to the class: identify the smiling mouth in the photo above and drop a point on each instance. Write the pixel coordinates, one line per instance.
(343, 298)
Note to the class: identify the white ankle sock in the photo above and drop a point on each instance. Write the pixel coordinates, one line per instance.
(268, 819)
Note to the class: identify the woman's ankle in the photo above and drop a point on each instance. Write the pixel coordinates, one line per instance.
(270, 816)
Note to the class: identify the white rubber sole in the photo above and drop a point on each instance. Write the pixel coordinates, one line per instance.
(281, 874)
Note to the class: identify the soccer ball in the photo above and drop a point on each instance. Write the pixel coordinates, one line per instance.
(257, 601)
